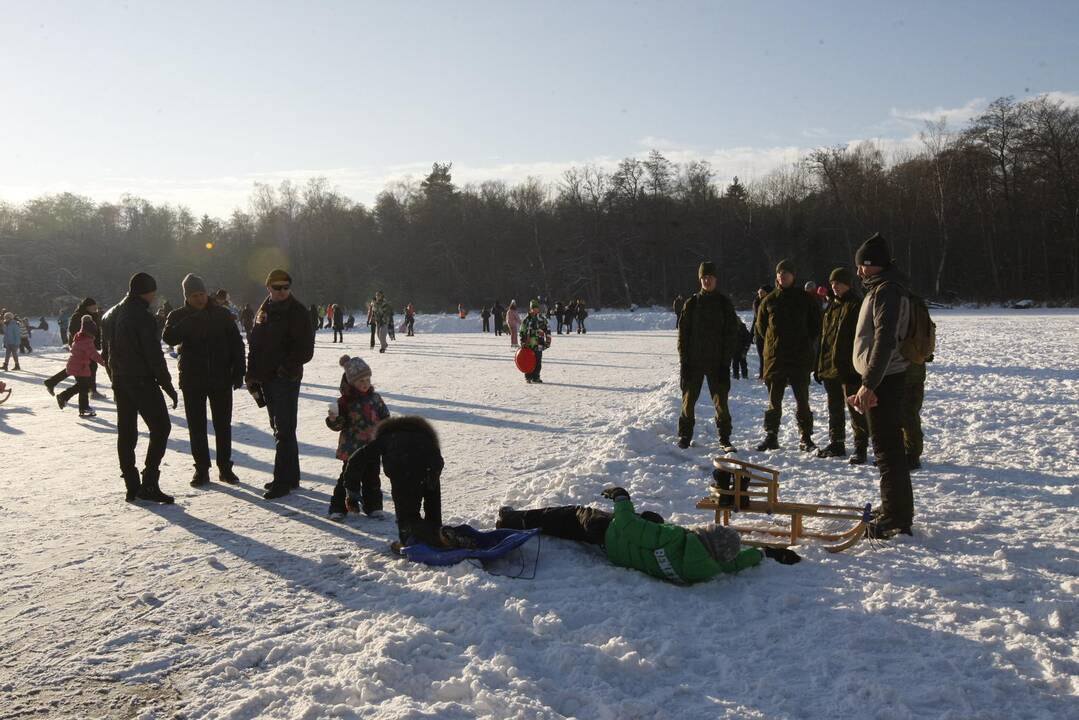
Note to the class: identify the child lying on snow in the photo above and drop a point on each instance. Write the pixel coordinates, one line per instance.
(669, 552)
(412, 460)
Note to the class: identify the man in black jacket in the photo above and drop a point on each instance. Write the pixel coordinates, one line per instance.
(211, 366)
(132, 351)
(707, 340)
(281, 343)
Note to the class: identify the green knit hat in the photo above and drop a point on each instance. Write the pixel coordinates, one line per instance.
(533, 304)
(707, 268)
(841, 275)
(786, 266)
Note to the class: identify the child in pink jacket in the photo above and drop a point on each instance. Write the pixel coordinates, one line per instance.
(83, 353)
(513, 321)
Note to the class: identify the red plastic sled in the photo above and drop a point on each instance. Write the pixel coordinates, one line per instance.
(525, 360)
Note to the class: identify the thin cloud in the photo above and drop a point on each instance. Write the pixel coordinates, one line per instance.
(953, 116)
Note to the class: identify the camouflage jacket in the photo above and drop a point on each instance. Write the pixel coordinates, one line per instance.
(535, 332)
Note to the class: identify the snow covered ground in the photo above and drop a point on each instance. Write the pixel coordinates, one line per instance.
(228, 606)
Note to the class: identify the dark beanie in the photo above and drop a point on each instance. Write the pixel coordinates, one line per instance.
(88, 325)
(707, 268)
(874, 251)
(841, 275)
(786, 266)
(142, 283)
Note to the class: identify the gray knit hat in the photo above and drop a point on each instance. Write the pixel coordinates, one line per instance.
(722, 543)
(192, 284)
(355, 368)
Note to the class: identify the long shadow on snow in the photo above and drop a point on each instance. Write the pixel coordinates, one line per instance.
(506, 359)
(5, 412)
(1017, 372)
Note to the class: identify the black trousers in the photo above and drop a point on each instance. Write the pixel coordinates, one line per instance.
(370, 491)
(539, 364)
(410, 324)
(572, 522)
(373, 335)
(739, 367)
(221, 412)
(338, 335)
(838, 391)
(282, 401)
(139, 397)
(56, 379)
(800, 387)
(487, 324)
(498, 325)
(409, 496)
(886, 432)
(82, 387)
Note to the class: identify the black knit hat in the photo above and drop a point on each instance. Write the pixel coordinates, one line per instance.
(707, 268)
(874, 252)
(142, 283)
(842, 275)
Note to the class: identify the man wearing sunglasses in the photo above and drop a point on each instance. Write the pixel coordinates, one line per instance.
(282, 340)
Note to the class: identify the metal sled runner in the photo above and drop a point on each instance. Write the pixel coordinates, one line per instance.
(742, 487)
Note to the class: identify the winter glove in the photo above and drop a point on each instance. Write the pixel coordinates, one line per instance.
(783, 556)
(171, 392)
(615, 493)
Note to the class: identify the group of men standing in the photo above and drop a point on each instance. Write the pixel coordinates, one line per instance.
(211, 366)
(853, 349)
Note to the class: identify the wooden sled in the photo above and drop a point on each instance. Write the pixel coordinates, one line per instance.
(5, 393)
(755, 489)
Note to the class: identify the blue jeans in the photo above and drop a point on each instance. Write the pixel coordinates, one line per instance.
(282, 399)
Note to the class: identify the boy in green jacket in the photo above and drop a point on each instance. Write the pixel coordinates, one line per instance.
(644, 542)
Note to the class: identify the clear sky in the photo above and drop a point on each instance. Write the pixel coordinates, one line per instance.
(192, 102)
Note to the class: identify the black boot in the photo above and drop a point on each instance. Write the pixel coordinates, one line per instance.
(835, 449)
(859, 456)
(150, 490)
(770, 442)
(275, 492)
(133, 486)
(726, 445)
(200, 478)
(913, 463)
(225, 475)
(807, 444)
(884, 528)
(509, 518)
(683, 442)
(51, 387)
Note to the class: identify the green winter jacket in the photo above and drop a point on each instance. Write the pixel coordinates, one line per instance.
(535, 333)
(708, 332)
(668, 552)
(381, 312)
(789, 321)
(836, 358)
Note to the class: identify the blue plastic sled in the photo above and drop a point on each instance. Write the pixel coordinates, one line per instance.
(491, 544)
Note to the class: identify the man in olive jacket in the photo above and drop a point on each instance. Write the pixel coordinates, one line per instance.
(211, 364)
(707, 340)
(835, 367)
(644, 542)
(790, 323)
(281, 342)
(131, 347)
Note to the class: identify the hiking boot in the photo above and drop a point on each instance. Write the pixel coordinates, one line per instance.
(807, 444)
(49, 386)
(726, 446)
(150, 490)
(88, 413)
(200, 478)
(858, 458)
(683, 442)
(885, 528)
(770, 442)
(60, 402)
(453, 539)
(225, 475)
(275, 491)
(833, 450)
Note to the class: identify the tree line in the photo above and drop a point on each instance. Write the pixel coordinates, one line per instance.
(987, 212)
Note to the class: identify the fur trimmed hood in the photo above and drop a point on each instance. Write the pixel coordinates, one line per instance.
(407, 423)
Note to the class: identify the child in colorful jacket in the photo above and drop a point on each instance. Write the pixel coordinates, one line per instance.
(536, 335)
(358, 411)
(83, 353)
